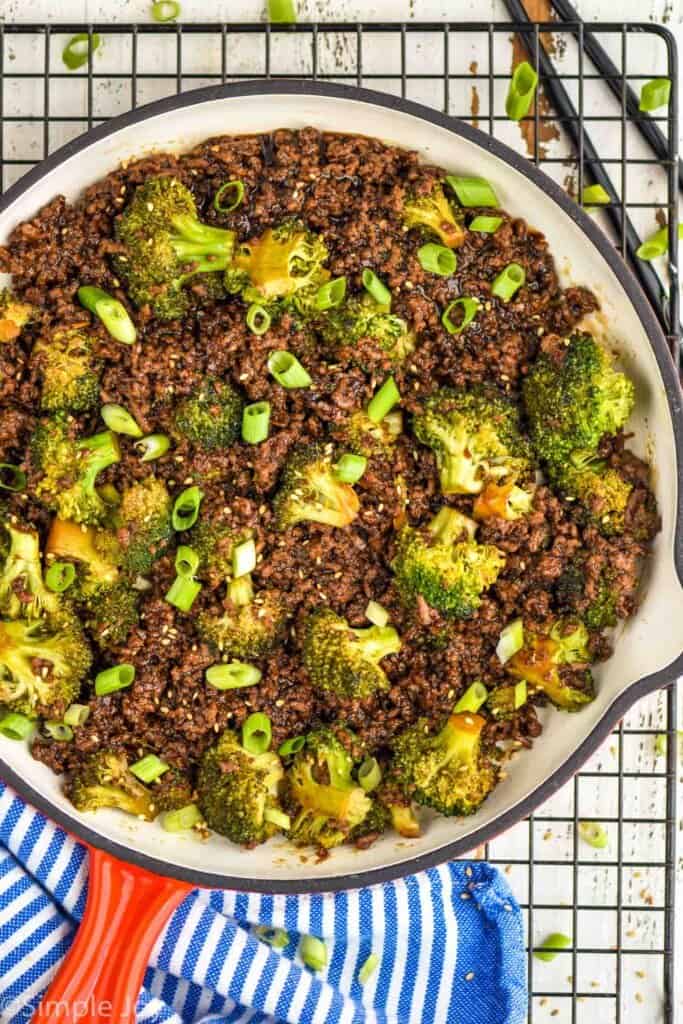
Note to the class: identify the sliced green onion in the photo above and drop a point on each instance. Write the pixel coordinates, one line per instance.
(350, 468)
(291, 746)
(232, 675)
(255, 422)
(258, 319)
(369, 774)
(437, 259)
(470, 307)
(521, 694)
(183, 593)
(655, 94)
(661, 744)
(76, 52)
(120, 420)
(593, 833)
(59, 731)
(510, 641)
(281, 12)
(368, 969)
(15, 726)
(472, 191)
(487, 225)
(181, 820)
(509, 281)
(313, 952)
(376, 288)
(60, 576)
(118, 677)
(186, 561)
(554, 942)
(595, 195)
(243, 558)
(110, 311)
(521, 91)
(657, 244)
(256, 733)
(149, 769)
(11, 477)
(165, 10)
(331, 294)
(237, 189)
(473, 698)
(277, 818)
(77, 714)
(278, 938)
(376, 614)
(186, 508)
(384, 400)
(153, 446)
(287, 370)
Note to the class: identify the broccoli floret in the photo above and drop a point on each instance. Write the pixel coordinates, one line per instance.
(543, 656)
(97, 550)
(42, 664)
(445, 565)
(251, 624)
(346, 660)
(111, 613)
(595, 603)
(506, 501)
(283, 264)
(237, 791)
(22, 590)
(386, 813)
(103, 780)
(363, 436)
(71, 374)
(211, 418)
(433, 212)
(601, 491)
(574, 401)
(69, 470)
(213, 538)
(475, 436)
(14, 315)
(326, 802)
(448, 771)
(143, 522)
(310, 491)
(360, 318)
(172, 791)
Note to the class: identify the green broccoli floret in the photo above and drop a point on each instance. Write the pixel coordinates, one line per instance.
(211, 418)
(167, 246)
(237, 792)
(22, 590)
(364, 318)
(310, 491)
(284, 264)
(475, 436)
(363, 436)
(327, 804)
(433, 213)
(14, 315)
(595, 602)
(572, 402)
(251, 624)
(70, 372)
(600, 490)
(57, 643)
(172, 791)
(445, 565)
(70, 468)
(346, 660)
(448, 771)
(103, 780)
(213, 538)
(386, 813)
(544, 655)
(143, 523)
(505, 501)
(98, 550)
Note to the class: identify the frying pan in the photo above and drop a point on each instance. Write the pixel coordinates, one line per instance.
(138, 873)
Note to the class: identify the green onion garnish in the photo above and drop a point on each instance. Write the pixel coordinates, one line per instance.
(437, 259)
(233, 675)
(554, 942)
(469, 306)
(186, 561)
(278, 818)
(234, 190)
(181, 820)
(59, 731)
(256, 733)
(118, 677)
(15, 726)
(375, 288)
(183, 593)
(149, 769)
(281, 12)
(313, 952)
(255, 422)
(384, 400)
(291, 746)
(521, 91)
(278, 938)
(368, 969)
(509, 281)
(595, 195)
(165, 10)
(376, 613)
(487, 225)
(657, 244)
(593, 833)
(77, 714)
(655, 94)
(110, 311)
(350, 468)
(473, 698)
(60, 576)
(258, 319)
(186, 508)
(521, 694)
(243, 558)
(472, 191)
(76, 52)
(120, 420)
(287, 370)
(369, 774)
(331, 294)
(153, 446)
(11, 477)
(510, 641)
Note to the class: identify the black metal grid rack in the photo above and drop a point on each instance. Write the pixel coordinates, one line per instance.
(463, 70)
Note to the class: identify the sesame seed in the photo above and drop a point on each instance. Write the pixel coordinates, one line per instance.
(469, 976)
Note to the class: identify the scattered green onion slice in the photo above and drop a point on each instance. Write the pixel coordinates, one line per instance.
(76, 52)
(120, 420)
(256, 422)
(232, 675)
(77, 714)
(287, 370)
(256, 733)
(350, 468)
(278, 818)
(595, 195)
(554, 942)
(292, 746)
(657, 244)
(243, 558)
(331, 294)
(12, 478)
(149, 769)
(313, 952)
(521, 694)
(509, 281)
(437, 259)
(59, 731)
(593, 833)
(258, 319)
(384, 400)
(487, 225)
(521, 91)
(165, 10)
(186, 508)
(237, 189)
(655, 94)
(369, 774)
(186, 560)
(376, 288)
(118, 677)
(15, 726)
(278, 938)
(472, 191)
(368, 969)
(376, 614)
(110, 311)
(183, 593)
(473, 698)
(60, 576)
(281, 12)
(661, 744)
(153, 446)
(510, 641)
(470, 307)
(181, 820)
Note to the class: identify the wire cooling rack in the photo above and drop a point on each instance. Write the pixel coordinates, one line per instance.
(618, 903)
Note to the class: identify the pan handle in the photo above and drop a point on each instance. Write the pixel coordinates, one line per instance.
(100, 979)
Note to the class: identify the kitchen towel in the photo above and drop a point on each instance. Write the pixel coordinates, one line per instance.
(449, 942)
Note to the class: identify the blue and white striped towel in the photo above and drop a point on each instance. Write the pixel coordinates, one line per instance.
(449, 940)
